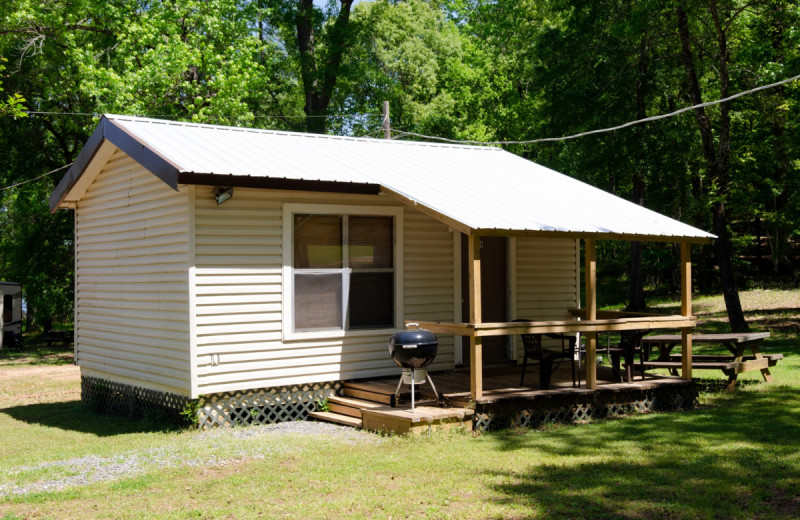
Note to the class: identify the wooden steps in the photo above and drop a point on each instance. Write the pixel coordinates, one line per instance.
(348, 409)
(337, 418)
(350, 406)
(370, 406)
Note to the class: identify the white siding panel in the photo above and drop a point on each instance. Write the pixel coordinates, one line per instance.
(428, 283)
(238, 285)
(547, 278)
(238, 307)
(131, 279)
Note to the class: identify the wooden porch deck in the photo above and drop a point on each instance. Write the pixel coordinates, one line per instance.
(502, 383)
(505, 403)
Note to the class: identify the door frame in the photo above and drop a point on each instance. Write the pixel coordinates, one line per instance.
(462, 342)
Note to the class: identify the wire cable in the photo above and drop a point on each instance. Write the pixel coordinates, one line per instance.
(36, 178)
(220, 116)
(604, 130)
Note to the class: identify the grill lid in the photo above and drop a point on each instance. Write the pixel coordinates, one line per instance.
(413, 339)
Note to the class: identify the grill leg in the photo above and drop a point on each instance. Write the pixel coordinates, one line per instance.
(412, 390)
(439, 398)
(397, 393)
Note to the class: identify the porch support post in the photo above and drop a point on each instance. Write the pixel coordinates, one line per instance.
(590, 273)
(686, 310)
(475, 342)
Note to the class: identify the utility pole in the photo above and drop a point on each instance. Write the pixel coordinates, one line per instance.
(386, 126)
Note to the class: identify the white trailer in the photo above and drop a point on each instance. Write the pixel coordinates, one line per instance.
(10, 315)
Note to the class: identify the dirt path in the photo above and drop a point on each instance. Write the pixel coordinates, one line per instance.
(30, 384)
(65, 373)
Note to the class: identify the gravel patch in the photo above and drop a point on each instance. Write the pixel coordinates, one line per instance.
(89, 469)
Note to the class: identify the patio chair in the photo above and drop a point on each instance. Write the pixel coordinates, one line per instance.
(532, 344)
(630, 342)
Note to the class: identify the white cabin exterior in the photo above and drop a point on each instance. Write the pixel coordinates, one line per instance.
(177, 293)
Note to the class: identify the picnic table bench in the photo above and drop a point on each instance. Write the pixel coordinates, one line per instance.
(731, 365)
(63, 337)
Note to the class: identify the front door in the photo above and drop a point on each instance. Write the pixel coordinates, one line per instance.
(494, 286)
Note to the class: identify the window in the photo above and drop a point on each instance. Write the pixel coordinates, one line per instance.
(8, 308)
(343, 272)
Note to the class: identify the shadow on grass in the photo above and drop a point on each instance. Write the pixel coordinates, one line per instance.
(734, 460)
(74, 416)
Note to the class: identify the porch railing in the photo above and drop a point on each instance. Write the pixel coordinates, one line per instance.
(607, 321)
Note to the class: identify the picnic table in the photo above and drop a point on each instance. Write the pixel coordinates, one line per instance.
(731, 365)
(62, 337)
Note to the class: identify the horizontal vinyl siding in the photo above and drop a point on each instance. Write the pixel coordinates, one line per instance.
(239, 303)
(237, 287)
(547, 284)
(132, 255)
(428, 283)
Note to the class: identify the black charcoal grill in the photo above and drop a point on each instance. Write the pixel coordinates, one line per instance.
(413, 350)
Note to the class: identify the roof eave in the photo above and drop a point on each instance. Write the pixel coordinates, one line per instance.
(277, 183)
(630, 237)
(107, 130)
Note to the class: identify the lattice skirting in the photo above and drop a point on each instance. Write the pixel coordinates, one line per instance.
(261, 406)
(264, 406)
(132, 401)
(568, 408)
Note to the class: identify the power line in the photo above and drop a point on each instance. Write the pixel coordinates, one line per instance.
(604, 130)
(168, 116)
(36, 178)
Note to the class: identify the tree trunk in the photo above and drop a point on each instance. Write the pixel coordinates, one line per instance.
(637, 302)
(779, 241)
(319, 80)
(717, 161)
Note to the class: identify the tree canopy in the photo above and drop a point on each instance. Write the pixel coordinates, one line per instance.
(480, 70)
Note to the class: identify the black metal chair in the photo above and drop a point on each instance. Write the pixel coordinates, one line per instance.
(534, 349)
(629, 342)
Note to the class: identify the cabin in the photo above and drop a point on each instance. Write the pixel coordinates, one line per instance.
(10, 315)
(263, 269)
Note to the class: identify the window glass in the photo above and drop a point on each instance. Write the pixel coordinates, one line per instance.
(317, 301)
(370, 241)
(8, 310)
(317, 241)
(343, 272)
(371, 300)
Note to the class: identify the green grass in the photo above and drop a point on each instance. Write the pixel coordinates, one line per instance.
(736, 456)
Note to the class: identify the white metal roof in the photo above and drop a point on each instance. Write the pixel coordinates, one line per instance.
(485, 189)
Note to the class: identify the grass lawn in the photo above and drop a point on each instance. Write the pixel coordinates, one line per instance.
(736, 456)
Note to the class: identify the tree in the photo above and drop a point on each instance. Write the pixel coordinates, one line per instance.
(317, 40)
(717, 157)
(194, 60)
(13, 105)
(410, 54)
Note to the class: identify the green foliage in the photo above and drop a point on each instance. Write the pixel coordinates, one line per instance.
(465, 69)
(323, 405)
(13, 105)
(190, 412)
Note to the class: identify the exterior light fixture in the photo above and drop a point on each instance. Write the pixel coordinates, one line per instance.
(223, 194)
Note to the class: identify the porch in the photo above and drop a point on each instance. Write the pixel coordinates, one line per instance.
(587, 321)
(488, 397)
(504, 403)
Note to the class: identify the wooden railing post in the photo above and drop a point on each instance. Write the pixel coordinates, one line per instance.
(590, 272)
(686, 310)
(475, 342)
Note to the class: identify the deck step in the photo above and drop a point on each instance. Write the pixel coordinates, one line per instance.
(350, 406)
(384, 394)
(368, 395)
(336, 418)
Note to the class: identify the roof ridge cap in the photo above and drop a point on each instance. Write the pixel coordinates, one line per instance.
(290, 133)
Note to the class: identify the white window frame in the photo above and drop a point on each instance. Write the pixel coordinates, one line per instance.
(289, 210)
